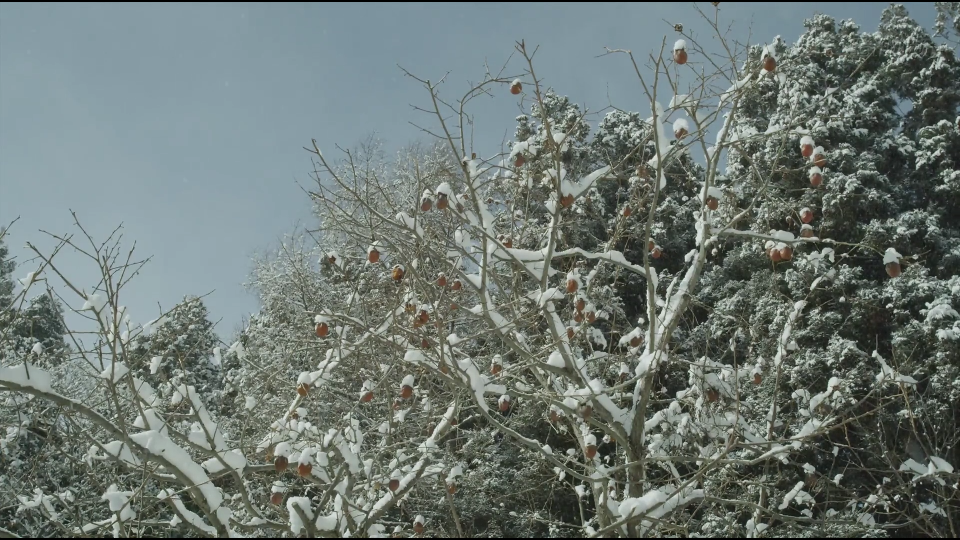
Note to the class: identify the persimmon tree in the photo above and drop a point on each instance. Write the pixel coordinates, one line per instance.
(644, 322)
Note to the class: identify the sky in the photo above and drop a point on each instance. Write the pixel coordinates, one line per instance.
(186, 122)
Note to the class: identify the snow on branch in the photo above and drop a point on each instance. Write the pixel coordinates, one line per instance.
(150, 444)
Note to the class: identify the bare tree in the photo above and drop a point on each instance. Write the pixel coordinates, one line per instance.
(453, 292)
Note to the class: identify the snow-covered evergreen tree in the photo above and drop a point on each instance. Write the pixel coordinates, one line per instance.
(7, 266)
(35, 433)
(41, 323)
(948, 20)
(885, 185)
(180, 349)
(28, 327)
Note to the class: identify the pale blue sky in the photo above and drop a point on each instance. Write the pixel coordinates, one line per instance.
(187, 121)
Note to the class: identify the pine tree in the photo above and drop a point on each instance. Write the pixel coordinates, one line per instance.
(7, 266)
(41, 322)
(184, 340)
(35, 433)
(948, 19)
(887, 184)
(7, 310)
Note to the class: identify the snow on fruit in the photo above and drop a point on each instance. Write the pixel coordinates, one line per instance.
(711, 197)
(516, 87)
(590, 446)
(819, 157)
(680, 52)
(406, 387)
(816, 176)
(573, 282)
(891, 261)
(681, 128)
(455, 472)
(366, 392)
(773, 251)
